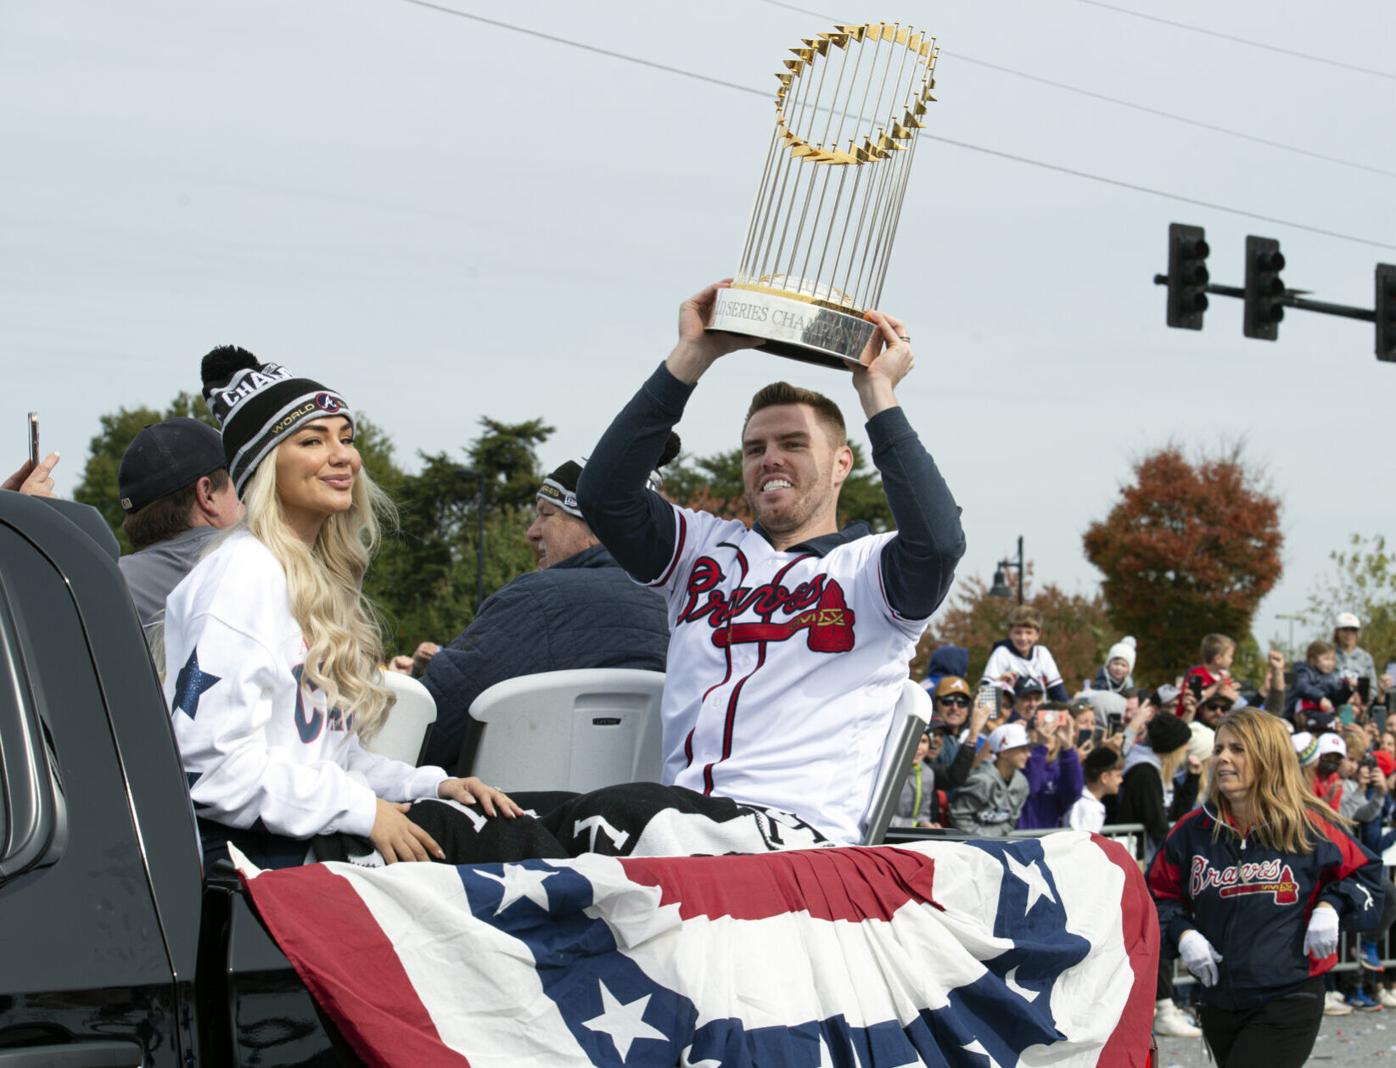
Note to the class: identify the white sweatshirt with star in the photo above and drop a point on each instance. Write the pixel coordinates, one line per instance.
(256, 743)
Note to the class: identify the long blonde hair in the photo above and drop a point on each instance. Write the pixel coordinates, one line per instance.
(1285, 807)
(340, 625)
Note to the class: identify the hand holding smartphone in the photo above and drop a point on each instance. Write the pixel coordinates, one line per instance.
(34, 438)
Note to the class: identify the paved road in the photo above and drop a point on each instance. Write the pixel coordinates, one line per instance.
(1351, 1040)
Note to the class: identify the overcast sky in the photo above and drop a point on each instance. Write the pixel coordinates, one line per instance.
(446, 219)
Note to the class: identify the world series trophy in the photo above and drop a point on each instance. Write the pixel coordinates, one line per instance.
(847, 113)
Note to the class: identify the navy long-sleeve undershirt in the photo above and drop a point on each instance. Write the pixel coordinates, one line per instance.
(637, 525)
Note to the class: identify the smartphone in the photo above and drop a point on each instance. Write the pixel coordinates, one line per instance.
(1195, 685)
(1114, 723)
(1364, 688)
(988, 696)
(33, 437)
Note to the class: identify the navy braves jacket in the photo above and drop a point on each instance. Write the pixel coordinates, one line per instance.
(1253, 903)
(583, 612)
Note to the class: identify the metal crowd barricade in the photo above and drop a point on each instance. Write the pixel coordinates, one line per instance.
(1132, 836)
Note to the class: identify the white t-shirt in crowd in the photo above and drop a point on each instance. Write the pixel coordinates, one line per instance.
(1088, 814)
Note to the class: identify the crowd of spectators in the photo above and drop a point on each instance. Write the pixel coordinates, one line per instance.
(1014, 750)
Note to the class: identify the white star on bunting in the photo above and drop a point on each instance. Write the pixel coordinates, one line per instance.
(1011, 981)
(976, 1047)
(1035, 879)
(520, 882)
(623, 1023)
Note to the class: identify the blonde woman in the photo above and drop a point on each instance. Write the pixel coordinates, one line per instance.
(271, 651)
(1251, 889)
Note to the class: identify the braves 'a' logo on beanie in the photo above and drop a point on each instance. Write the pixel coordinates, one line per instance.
(328, 402)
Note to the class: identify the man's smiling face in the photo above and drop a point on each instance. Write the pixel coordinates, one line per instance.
(792, 470)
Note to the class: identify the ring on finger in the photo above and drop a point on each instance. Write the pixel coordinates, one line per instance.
(903, 337)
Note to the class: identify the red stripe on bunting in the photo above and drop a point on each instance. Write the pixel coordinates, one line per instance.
(829, 884)
(1128, 1045)
(382, 1018)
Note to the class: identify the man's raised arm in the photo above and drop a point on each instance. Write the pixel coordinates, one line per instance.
(918, 565)
(634, 523)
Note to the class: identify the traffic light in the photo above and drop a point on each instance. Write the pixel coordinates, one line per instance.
(1386, 311)
(1187, 276)
(1265, 289)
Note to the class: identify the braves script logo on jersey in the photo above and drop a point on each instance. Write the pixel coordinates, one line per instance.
(1272, 877)
(816, 607)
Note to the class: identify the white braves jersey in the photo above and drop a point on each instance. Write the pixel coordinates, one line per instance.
(783, 672)
(1038, 664)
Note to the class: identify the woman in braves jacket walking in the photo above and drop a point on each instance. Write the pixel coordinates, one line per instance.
(1251, 888)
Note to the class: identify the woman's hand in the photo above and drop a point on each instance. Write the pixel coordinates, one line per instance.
(1199, 957)
(398, 838)
(472, 791)
(1321, 939)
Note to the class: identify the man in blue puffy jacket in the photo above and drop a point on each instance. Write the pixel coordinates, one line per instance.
(578, 610)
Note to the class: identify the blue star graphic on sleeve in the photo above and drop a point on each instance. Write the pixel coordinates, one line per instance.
(191, 684)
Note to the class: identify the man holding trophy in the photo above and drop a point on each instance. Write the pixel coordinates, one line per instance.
(788, 642)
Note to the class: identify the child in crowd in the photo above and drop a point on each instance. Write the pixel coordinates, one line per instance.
(1213, 674)
(1312, 702)
(1104, 769)
(1117, 673)
(916, 805)
(1020, 656)
(991, 801)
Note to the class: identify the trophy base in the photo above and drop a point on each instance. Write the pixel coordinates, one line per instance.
(793, 328)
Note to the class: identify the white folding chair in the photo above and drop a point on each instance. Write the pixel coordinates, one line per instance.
(569, 730)
(909, 720)
(404, 732)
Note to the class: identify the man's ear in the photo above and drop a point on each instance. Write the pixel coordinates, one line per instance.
(843, 463)
(203, 497)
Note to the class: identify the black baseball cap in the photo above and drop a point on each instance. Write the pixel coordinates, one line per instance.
(166, 457)
(1027, 685)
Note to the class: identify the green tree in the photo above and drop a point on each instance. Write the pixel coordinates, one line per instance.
(1363, 581)
(98, 486)
(425, 578)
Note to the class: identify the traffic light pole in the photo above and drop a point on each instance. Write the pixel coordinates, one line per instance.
(1264, 295)
(1291, 300)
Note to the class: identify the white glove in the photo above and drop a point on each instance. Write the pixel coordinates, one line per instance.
(1199, 957)
(1321, 939)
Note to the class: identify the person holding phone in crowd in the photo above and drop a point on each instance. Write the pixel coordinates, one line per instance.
(33, 477)
(1251, 890)
(1053, 770)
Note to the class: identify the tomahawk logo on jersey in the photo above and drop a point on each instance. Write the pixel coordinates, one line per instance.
(784, 668)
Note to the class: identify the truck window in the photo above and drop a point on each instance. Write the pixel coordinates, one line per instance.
(31, 802)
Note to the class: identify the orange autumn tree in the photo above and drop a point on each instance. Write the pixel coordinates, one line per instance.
(1189, 549)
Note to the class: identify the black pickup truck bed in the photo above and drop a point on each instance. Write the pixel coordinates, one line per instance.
(115, 948)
